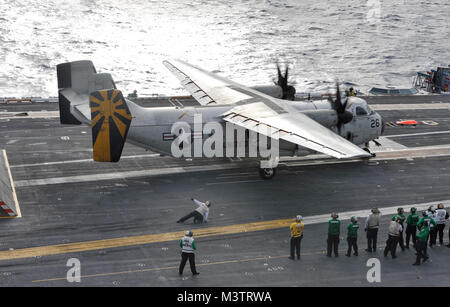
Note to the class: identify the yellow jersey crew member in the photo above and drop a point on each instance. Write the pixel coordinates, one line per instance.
(296, 236)
(188, 247)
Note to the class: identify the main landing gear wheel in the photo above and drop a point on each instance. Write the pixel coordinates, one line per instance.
(267, 173)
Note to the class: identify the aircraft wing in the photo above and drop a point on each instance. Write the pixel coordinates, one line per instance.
(296, 128)
(262, 113)
(208, 88)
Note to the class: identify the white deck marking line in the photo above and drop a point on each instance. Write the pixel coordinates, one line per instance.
(122, 175)
(231, 182)
(416, 134)
(81, 161)
(412, 106)
(16, 201)
(387, 145)
(414, 152)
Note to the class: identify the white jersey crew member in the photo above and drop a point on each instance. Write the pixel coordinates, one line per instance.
(200, 214)
(187, 244)
(441, 217)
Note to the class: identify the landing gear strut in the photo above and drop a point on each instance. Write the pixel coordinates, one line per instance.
(373, 154)
(267, 173)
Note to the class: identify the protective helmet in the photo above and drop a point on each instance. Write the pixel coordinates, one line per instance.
(375, 210)
(441, 206)
(208, 203)
(353, 219)
(424, 213)
(189, 233)
(413, 209)
(334, 215)
(298, 218)
(431, 208)
(400, 210)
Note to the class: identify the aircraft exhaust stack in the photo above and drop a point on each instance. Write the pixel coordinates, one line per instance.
(110, 123)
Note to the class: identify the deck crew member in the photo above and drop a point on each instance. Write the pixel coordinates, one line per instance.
(371, 227)
(411, 227)
(393, 236)
(187, 244)
(421, 244)
(334, 229)
(441, 217)
(296, 236)
(431, 222)
(431, 212)
(401, 219)
(352, 236)
(200, 214)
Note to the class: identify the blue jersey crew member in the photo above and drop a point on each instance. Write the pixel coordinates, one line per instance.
(296, 236)
(187, 244)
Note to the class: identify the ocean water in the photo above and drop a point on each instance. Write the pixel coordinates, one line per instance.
(362, 42)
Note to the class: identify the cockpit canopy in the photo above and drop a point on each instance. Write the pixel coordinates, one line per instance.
(358, 107)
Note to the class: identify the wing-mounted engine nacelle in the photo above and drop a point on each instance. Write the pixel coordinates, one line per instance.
(271, 90)
(277, 91)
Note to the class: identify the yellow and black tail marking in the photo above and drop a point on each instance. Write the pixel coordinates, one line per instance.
(111, 120)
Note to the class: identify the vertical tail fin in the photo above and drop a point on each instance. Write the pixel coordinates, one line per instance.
(81, 78)
(111, 120)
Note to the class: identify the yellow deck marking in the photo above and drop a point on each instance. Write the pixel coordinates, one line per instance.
(139, 240)
(312, 253)
(16, 202)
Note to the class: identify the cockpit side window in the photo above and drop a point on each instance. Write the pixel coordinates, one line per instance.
(360, 111)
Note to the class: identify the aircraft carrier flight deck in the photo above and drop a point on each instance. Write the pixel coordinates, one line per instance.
(119, 219)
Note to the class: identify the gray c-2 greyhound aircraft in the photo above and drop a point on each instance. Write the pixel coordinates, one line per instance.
(341, 128)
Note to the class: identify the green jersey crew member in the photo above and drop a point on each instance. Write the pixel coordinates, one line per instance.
(188, 247)
(296, 236)
(334, 229)
(421, 244)
(431, 223)
(411, 227)
(352, 236)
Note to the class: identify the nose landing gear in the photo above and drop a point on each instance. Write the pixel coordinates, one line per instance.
(267, 173)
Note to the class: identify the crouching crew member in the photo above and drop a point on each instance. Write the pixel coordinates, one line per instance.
(411, 227)
(352, 236)
(372, 225)
(188, 247)
(200, 214)
(421, 244)
(441, 217)
(393, 237)
(400, 218)
(334, 229)
(296, 236)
